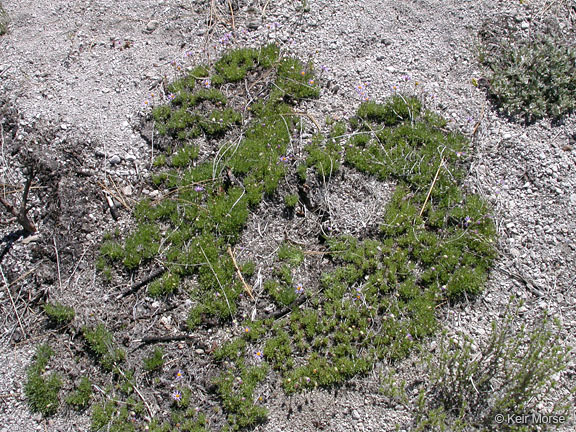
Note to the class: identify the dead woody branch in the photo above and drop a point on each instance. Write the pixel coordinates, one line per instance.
(21, 213)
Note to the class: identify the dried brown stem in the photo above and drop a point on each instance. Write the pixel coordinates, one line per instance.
(247, 287)
(431, 187)
(21, 214)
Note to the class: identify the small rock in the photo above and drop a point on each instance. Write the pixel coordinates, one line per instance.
(130, 157)
(31, 239)
(127, 190)
(115, 160)
(507, 136)
(253, 25)
(99, 153)
(524, 25)
(355, 415)
(199, 351)
(151, 26)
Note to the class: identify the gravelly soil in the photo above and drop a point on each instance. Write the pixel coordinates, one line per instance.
(83, 70)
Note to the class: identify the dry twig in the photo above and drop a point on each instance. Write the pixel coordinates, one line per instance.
(431, 187)
(247, 287)
(21, 214)
(150, 412)
(7, 286)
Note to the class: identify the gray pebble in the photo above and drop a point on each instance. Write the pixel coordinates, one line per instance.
(151, 26)
(115, 160)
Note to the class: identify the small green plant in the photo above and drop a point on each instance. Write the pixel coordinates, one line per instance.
(510, 374)
(155, 361)
(291, 254)
(167, 284)
(236, 389)
(59, 313)
(41, 389)
(118, 415)
(80, 398)
(531, 78)
(101, 343)
(291, 200)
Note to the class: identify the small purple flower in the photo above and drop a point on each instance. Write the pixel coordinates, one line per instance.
(171, 96)
(207, 83)
(405, 77)
(258, 355)
(177, 395)
(199, 188)
(284, 159)
(409, 336)
(225, 39)
(179, 374)
(467, 221)
(299, 289)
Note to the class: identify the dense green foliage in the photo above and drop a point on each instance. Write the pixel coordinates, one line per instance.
(224, 156)
(101, 344)
(41, 388)
(59, 313)
(532, 78)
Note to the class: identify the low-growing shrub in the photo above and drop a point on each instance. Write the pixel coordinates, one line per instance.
(514, 372)
(531, 77)
(155, 361)
(42, 389)
(59, 313)
(81, 397)
(101, 343)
